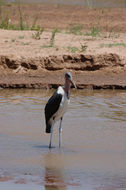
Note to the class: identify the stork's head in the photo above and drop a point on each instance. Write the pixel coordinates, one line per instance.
(68, 77)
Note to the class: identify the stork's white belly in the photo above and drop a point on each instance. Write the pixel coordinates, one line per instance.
(63, 105)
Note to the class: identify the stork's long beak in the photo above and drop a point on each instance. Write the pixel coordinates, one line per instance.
(73, 83)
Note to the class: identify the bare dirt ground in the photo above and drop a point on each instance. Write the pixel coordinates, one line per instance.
(97, 58)
(61, 16)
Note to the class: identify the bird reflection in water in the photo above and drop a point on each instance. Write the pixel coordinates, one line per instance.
(54, 167)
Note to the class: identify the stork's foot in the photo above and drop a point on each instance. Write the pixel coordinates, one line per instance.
(50, 146)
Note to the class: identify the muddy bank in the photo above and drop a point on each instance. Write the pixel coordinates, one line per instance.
(76, 62)
(106, 71)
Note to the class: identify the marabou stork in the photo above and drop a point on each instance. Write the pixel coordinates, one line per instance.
(57, 106)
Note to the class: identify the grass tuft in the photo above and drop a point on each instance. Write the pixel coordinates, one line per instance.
(113, 45)
(37, 34)
(94, 32)
(21, 37)
(51, 44)
(73, 49)
(53, 37)
(21, 17)
(76, 29)
(83, 47)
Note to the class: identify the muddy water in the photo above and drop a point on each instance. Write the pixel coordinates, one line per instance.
(93, 153)
(87, 3)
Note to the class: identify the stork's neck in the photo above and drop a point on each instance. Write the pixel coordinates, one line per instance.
(67, 88)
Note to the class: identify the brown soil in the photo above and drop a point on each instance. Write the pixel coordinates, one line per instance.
(29, 63)
(61, 16)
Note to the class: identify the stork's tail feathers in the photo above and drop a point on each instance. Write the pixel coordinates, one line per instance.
(48, 128)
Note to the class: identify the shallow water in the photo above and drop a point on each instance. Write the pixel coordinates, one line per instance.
(93, 153)
(87, 3)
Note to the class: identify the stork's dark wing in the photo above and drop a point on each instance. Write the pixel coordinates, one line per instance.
(51, 108)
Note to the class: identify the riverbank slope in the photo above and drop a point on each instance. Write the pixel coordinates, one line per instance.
(93, 52)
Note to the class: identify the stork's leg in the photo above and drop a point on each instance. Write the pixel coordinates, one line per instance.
(50, 143)
(60, 131)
